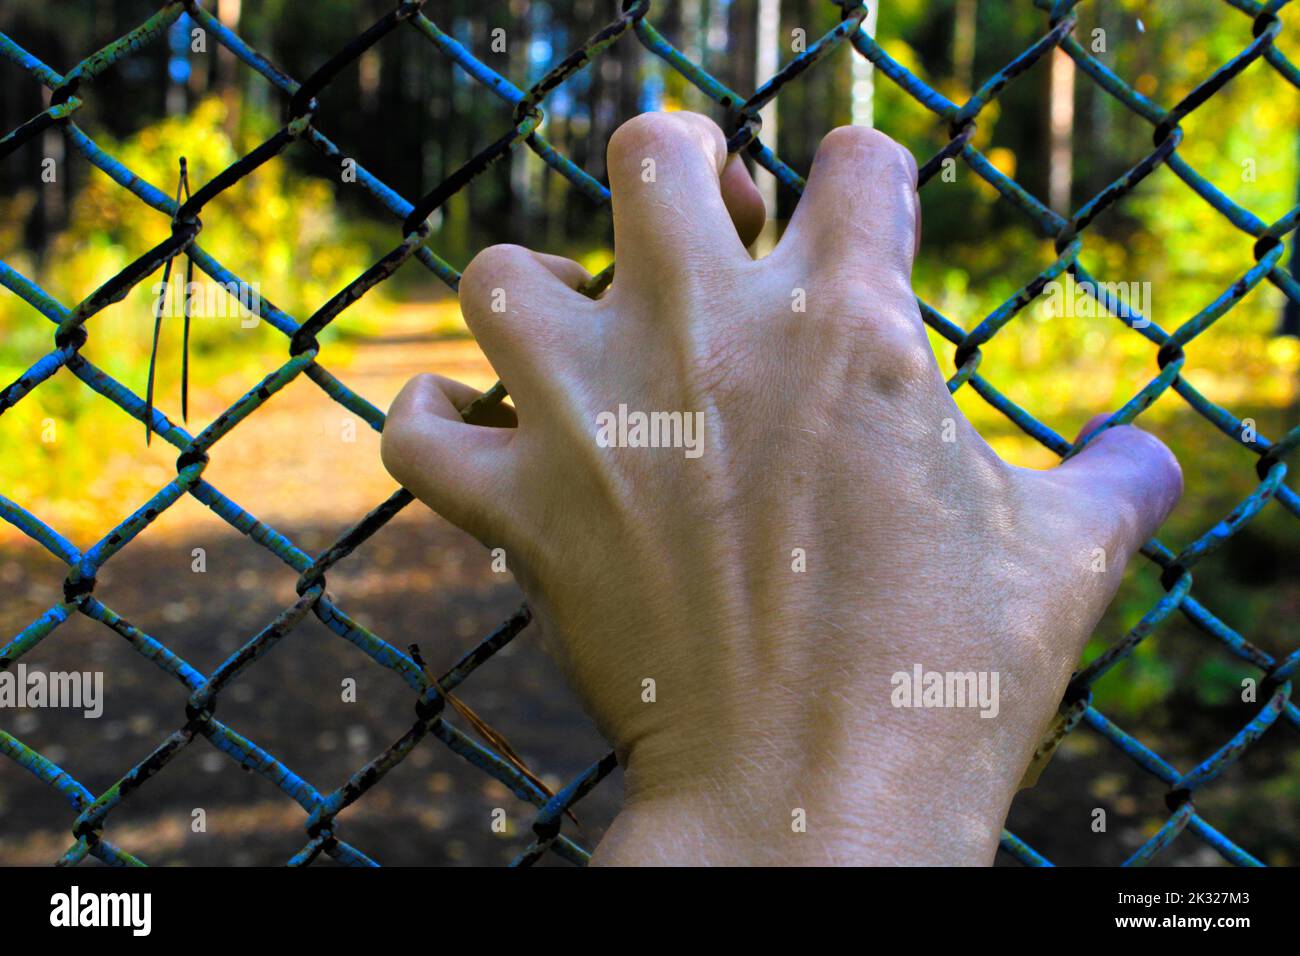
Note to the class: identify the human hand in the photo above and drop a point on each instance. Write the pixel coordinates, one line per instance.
(828, 438)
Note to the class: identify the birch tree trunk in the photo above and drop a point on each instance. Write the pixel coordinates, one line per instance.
(1060, 167)
(864, 75)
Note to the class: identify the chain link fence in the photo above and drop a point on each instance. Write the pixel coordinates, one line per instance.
(524, 131)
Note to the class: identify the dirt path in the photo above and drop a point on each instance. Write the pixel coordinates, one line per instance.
(311, 469)
(297, 465)
(302, 432)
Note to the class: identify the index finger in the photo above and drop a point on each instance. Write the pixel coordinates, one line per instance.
(665, 174)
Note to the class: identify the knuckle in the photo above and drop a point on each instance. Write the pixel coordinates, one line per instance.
(1166, 456)
(709, 133)
(855, 137)
(642, 133)
(395, 444)
(491, 269)
(1166, 474)
(862, 144)
(661, 134)
(900, 357)
(400, 440)
(895, 349)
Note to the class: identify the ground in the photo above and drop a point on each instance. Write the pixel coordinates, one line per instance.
(418, 580)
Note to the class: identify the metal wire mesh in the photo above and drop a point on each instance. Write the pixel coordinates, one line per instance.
(743, 129)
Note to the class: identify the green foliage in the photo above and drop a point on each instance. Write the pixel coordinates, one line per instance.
(978, 251)
(280, 227)
(277, 228)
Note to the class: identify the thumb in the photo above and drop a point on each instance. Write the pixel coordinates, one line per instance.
(455, 468)
(1125, 478)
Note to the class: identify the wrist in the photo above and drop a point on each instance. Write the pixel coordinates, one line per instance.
(825, 817)
(825, 780)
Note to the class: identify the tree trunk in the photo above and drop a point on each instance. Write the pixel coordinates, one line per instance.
(766, 64)
(963, 43)
(1060, 164)
(864, 77)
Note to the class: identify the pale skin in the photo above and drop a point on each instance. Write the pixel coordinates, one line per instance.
(823, 431)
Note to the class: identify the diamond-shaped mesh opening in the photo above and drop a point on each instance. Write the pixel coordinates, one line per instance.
(1171, 338)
